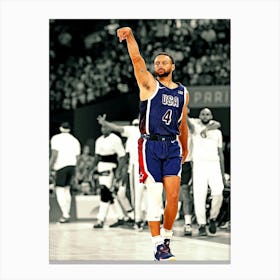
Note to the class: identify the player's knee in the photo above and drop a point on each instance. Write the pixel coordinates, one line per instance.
(217, 192)
(105, 194)
(217, 197)
(154, 200)
(121, 192)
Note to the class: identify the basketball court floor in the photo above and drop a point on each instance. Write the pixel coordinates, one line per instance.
(77, 243)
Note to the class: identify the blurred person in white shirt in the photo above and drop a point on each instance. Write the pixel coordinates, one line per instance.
(109, 161)
(65, 149)
(137, 189)
(208, 169)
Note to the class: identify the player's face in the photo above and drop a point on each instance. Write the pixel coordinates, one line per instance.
(163, 66)
(205, 116)
(105, 130)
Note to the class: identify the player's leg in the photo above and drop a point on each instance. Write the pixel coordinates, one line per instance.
(216, 186)
(171, 170)
(131, 176)
(105, 179)
(160, 239)
(186, 197)
(200, 187)
(61, 194)
(139, 189)
(70, 175)
(151, 175)
(172, 188)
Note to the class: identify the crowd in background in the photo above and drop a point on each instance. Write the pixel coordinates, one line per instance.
(88, 63)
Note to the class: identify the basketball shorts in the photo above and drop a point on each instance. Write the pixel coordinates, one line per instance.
(64, 176)
(158, 159)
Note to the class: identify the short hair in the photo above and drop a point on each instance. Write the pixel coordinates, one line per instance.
(164, 53)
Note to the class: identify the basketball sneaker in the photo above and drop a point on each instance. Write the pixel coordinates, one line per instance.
(202, 230)
(99, 224)
(64, 220)
(212, 226)
(188, 230)
(139, 226)
(119, 222)
(163, 252)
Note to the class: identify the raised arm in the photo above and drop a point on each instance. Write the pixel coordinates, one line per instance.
(145, 80)
(112, 126)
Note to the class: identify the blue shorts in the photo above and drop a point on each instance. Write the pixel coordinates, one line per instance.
(158, 159)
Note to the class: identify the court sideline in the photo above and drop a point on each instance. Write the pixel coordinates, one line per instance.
(77, 242)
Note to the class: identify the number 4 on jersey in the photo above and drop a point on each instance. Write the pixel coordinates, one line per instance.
(167, 117)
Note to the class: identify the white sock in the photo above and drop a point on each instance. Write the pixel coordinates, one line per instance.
(68, 200)
(157, 240)
(62, 201)
(103, 211)
(188, 219)
(165, 233)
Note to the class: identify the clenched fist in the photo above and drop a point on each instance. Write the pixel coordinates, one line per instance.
(123, 33)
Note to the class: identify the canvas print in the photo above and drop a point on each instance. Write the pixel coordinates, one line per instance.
(139, 141)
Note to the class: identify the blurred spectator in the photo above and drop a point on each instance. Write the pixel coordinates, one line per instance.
(109, 162)
(84, 183)
(208, 169)
(65, 149)
(83, 68)
(223, 219)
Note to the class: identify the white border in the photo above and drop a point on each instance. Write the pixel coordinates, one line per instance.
(24, 137)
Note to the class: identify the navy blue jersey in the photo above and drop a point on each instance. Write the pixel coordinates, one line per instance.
(161, 114)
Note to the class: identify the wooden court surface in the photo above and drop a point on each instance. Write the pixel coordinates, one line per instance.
(78, 243)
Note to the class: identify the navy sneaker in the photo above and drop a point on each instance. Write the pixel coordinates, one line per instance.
(166, 242)
(163, 252)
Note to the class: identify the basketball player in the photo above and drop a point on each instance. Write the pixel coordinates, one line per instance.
(163, 143)
(208, 169)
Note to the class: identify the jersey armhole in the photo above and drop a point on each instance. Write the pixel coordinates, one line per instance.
(156, 90)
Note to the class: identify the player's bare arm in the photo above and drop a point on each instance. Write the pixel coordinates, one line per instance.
(145, 80)
(54, 154)
(121, 164)
(102, 121)
(222, 163)
(210, 126)
(190, 125)
(184, 132)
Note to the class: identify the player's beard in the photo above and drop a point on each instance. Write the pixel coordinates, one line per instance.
(205, 122)
(164, 74)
